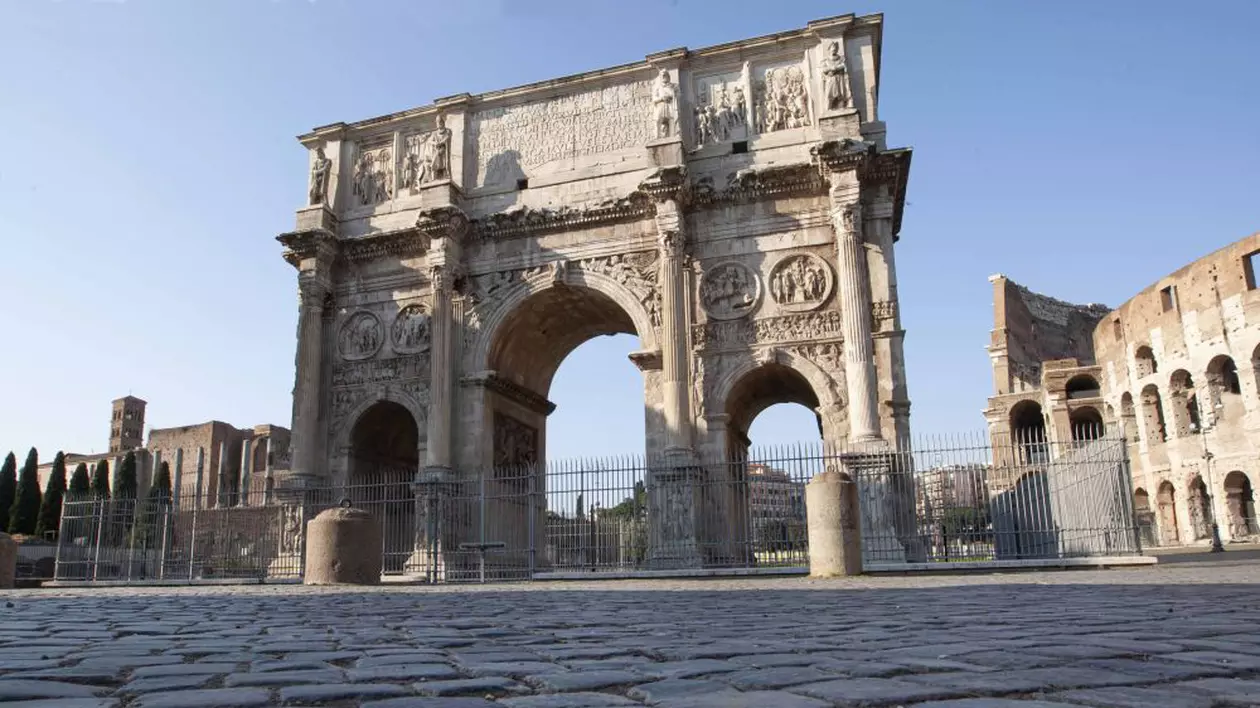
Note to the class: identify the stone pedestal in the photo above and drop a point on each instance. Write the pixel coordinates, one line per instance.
(672, 511)
(886, 501)
(427, 561)
(343, 547)
(8, 561)
(835, 540)
(666, 151)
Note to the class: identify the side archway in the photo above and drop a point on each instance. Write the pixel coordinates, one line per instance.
(384, 459)
(1166, 502)
(1241, 505)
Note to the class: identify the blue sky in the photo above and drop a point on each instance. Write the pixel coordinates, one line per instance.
(1083, 148)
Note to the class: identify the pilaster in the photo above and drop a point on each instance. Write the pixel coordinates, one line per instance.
(445, 227)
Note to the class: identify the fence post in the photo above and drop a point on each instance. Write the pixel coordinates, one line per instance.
(96, 552)
(166, 522)
(531, 510)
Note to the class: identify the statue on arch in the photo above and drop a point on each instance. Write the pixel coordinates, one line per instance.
(320, 171)
(665, 105)
(835, 78)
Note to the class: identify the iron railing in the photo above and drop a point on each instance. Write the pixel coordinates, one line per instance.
(977, 498)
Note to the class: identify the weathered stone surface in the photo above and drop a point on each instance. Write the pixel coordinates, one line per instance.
(338, 691)
(343, 547)
(284, 678)
(779, 677)
(752, 699)
(583, 680)
(488, 684)
(165, 683)
(1135, 697)
(403, 672)
(206, 698)
(855, 690)
(20, 689)
(569, 700)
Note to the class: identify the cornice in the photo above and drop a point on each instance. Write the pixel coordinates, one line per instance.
(308, 243)
(443, 222)
(891, 167)
(529, 221)
(512, 391)
(750, 185)
(400, 243)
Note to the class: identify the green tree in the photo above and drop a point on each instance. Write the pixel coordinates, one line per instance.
(100, 480)
(152, 513)
(8, 489)
(24, 514)
(125, 484)
(80, 483)
(50, 508)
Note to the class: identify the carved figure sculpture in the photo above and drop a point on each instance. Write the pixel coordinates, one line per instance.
(435, 155)
(373, 177)
(783, 100)
(360, 336)
(704, 126)
(411, 329)
(728, 290)
(319, 177)
(835, 78)
(664, 105)
(800, 282)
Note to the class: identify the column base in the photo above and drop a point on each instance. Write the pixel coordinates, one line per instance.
(886, 503)
(672, 511)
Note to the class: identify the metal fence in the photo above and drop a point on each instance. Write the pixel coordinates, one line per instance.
(938, 501)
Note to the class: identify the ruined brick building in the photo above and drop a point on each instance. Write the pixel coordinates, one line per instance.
(1173, 369)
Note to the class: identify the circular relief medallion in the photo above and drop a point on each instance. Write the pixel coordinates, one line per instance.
(360, 336)
(801, 282)
(410, 333)
(729, 290)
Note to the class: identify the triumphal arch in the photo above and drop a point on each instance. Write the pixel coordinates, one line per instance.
(734, 207)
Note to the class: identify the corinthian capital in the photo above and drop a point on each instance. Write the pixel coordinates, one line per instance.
(312, 291)
(851, 217)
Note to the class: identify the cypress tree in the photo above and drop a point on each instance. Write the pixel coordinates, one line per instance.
(8, 489)
(146, 531)
(50, 509)
(125, 485)
(24, 514)
(80, 485)
(100, 480)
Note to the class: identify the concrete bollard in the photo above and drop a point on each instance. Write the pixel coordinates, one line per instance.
(8, 561)
(343, 547)
(834, 525)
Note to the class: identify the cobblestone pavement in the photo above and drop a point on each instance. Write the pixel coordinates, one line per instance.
(1183, 635)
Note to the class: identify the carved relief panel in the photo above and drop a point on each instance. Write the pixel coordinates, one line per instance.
(515, 443)
(426, 157)
(410, 331)
(511, 141)
(360, 336)
(780, 97)
(373, 178)
(800, 282)
(729, 290)
(721, 110)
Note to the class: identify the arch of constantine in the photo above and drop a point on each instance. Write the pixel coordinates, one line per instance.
(734, 207)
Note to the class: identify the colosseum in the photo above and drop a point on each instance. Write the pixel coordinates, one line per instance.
(1174, 370)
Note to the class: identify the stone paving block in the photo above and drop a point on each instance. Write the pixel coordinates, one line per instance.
(1155, 668)
(206, 698)
(67, 703)
(1010, 659)
(776, 677)
(236, 657)
(21, 689)
(265, 665)
(765, 661)
(917, 663)
(686, 669)
(28, 664)
(128, 662)
(322, 655)
(1078, 651)
(1235, 691)
(860, 691)
(318, 693)
(164, 683)
(284, 678)
(581, 652)
(465, 658)
(183, 670)
(752, 699)
(994, 703)
(628, 662)
(657, 691)
(1234, 662)
(403, 672)
(514, 669)
(407, 658)
(486, 684)
(583, 680)
(1135, 697)
(568, 700)
(1048, 679)
(427, 702)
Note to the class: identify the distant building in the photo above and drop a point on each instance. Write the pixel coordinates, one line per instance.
(262, 451)
(776, 504)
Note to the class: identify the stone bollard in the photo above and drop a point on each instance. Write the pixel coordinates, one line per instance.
(834, 525)
(343, 547)
(8, 561)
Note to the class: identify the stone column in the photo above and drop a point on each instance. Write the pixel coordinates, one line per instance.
(441, 371)
(221, 475)
(269, 479)
(672, 480)
(306, 391)
(199, 487)
(247, 447)
(675, 355)
(155, 460)
(854, 288)
(177, 479)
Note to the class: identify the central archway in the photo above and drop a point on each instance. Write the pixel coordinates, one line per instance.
(574, 513)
